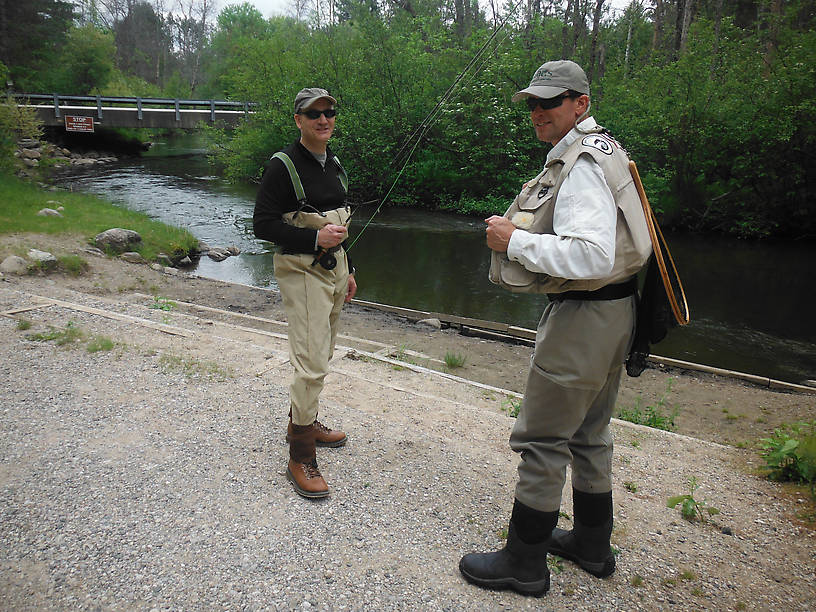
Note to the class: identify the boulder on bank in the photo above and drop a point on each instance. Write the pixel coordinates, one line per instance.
(48, 212)
(43, 259)
(117, 240)
(14, 264)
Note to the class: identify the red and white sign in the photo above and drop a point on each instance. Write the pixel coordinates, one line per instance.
(78, 123)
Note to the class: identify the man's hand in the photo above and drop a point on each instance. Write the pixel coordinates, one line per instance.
(331, 235)
(498, 233)
(351, 289)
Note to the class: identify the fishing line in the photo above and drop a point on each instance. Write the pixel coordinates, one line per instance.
(419, 132)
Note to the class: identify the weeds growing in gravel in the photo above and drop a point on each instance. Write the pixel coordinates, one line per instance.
(192, 367)
(790, 454)
(690, 508)
(23, 324)
(160, 303)
(61, 337)
(511, 406)
(99, 343)
(652, 416)
(454, 360)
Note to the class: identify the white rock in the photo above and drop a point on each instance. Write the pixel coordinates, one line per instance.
(14, 264)
(48, 212)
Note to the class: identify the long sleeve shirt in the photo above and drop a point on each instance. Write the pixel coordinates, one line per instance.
(584, 221)
(276, 196)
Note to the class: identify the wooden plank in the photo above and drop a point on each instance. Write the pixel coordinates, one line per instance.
(167, 329)
(10, 313)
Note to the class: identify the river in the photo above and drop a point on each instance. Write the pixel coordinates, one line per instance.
(751, 303)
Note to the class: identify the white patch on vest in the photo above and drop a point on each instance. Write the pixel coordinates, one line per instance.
(598, 142)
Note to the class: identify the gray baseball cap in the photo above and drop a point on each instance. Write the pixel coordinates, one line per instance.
(309, 95)
(554, 78)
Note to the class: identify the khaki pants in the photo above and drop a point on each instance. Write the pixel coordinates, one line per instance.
(570, 396)
(313, 298)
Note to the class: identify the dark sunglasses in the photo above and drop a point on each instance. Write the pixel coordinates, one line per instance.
(314, 114)
(546, 103)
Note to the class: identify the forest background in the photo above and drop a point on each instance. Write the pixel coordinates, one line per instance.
(714, 99)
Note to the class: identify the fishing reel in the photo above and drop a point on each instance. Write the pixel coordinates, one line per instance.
(326, 259)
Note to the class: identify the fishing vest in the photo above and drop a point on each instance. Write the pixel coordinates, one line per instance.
(317, 218)
(533, 208)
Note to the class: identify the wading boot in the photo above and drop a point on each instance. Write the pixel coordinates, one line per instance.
(521, 565)
(302, 470)
(587, 544)
(323, 435)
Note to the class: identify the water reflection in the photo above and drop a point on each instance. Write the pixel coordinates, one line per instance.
(750, 303)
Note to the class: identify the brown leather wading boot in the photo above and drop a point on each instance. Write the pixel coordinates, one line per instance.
(302, 470)
(324, 436)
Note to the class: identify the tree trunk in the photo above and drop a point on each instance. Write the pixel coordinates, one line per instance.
(715, 52)
(688, 10)
(565, 30)
(657, 33)
(628, 41)
(596, 21)
(678, 27)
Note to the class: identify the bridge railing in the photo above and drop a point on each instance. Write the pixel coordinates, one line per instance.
(138, 103)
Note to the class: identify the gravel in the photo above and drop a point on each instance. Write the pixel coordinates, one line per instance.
(152, 477)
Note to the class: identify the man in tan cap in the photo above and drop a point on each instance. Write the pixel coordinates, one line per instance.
(301, 207)
(577, 233)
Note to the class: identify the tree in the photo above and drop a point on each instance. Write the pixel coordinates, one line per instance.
(31, 34)
(86, 61)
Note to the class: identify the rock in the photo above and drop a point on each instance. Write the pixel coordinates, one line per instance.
(28, 143)
(31, 163)
(54, 203)
(94, 251)
(233, 250)
(218, 254)
(163, 260)
(170, 271)
(185, 261)
(48, 212)
(157, 267)
(132, 257)
(43, 259)
(14, 264)
(30, 154)
(434, 323)
(203, 247)
(60, 209)
(117, 240)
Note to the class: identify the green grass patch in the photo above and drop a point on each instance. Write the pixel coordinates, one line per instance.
(656, 416)
(70, 334)
(23, 324)
(193, 367)
(99, 343)
(73, 265)
(85, 215)
(790, 454)
(454, 360)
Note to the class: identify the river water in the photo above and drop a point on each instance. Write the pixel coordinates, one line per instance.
(751, 303)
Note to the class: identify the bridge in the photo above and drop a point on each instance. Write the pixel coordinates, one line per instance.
(83, 113)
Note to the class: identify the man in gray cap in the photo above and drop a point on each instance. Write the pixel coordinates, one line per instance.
(576, 232)
(301, 207)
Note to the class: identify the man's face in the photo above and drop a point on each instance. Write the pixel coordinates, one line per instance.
(552, 124)
(315, 133)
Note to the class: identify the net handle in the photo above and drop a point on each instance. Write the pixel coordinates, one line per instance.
(658, 244)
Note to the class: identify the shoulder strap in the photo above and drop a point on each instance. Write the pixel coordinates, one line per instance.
(342, 175)
(293, 175)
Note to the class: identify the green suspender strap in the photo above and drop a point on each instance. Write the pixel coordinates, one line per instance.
(342, 175)
(293, 175)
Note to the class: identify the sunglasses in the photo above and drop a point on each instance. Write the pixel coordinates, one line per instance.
(314, 114)
(546, 103)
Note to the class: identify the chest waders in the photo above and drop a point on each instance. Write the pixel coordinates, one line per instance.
(308, 216)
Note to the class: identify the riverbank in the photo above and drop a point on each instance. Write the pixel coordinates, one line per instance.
(155, 478)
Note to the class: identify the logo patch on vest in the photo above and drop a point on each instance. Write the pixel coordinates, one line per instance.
(543, 192)
(598, 142)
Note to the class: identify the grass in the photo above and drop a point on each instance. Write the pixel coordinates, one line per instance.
(511, 406)
(99, 343)
(651, 416)
(454, 360)
(61, 337)
(193, 367)
(84, 215)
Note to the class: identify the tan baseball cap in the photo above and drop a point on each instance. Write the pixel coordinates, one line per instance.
(309, 95)
(554, 78)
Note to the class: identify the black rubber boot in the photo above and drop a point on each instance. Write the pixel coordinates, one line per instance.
(520, 565)
(587, 544)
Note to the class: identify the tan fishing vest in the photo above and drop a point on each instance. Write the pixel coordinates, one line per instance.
(316, 220)
(532, 210)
